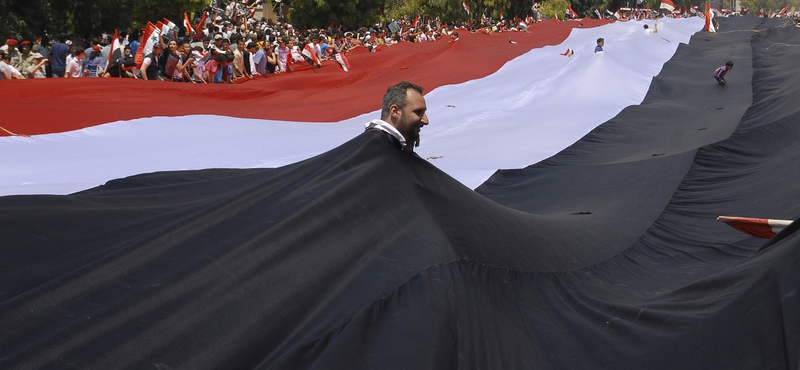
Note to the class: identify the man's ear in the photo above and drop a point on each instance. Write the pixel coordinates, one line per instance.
(394, 111)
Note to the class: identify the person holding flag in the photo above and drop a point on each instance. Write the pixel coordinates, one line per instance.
(571, 14)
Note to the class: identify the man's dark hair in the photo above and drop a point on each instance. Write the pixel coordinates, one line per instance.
(600, 40)
(62, 37)
(729, 64)
(396, 95)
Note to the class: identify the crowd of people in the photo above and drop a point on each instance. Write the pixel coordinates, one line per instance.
(221, 50)
(227, 44)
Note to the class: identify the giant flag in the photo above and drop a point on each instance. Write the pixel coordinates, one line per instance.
(602, 255)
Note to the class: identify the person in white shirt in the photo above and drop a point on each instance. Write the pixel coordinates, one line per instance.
(403, 114)
(37, 69)
(74, 64)
(648, 30)
(13, 71)
(5, 72)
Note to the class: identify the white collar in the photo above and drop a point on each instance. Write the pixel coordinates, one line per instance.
(388, 128)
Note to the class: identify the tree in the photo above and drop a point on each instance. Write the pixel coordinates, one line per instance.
(321, 13)
(586, 8)
(768, 5)
(35, 18)
(144, 11)
(550, 8)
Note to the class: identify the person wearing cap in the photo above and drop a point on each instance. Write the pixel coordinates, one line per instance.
(10, 45)
(150, 68)
(94, 66)
(24, 58)
(74, 64)
(58, 54)
(36, 70)
(11, 48)
(216, 47)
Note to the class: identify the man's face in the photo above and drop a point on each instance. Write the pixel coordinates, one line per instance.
(156, 51)
(412, 117)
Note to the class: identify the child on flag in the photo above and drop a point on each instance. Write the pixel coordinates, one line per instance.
(719, 73)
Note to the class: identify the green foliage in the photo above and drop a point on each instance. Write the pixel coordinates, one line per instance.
(768, 5)
(143, 11)
(496, 7)
(549, 8)
(396, 9)
(321, 13)
(83, 18)
(585, 9)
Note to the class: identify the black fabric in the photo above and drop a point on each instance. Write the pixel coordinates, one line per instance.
(606, 255)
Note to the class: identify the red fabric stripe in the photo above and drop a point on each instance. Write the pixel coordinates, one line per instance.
(324, 95)
(758, 227)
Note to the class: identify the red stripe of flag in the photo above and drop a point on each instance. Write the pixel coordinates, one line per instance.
(758, 227)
